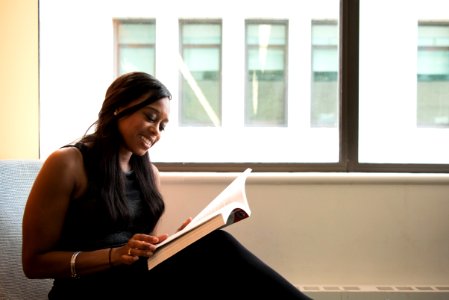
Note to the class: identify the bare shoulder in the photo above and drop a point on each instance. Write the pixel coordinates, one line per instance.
(65, 167)
(68, 158)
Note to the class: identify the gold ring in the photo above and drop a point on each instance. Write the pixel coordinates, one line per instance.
(129, 251)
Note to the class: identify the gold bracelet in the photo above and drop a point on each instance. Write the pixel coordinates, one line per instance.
(73, 264)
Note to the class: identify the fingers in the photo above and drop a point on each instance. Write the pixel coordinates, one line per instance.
(185, 223)
(162, 237)
(140, 252)
(141, 245)
(127, 256)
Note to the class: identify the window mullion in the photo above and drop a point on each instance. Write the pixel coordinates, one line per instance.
(349, 83)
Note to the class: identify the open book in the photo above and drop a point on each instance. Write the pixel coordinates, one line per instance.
(229, 207)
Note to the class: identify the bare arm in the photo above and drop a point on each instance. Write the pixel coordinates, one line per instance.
(62, 179)
(59, 179)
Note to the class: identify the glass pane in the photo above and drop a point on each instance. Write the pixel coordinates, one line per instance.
(200, 101)
(325, 64)
(136, 33)
(136, 59)
(433, 76)
(266, 88)
(404, 93)
(265, 34)
(431, 34)
(202, 59)
(266, 101)
(201, 34)
(433, 61)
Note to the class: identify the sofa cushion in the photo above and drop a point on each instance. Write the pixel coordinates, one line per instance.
(16, 179)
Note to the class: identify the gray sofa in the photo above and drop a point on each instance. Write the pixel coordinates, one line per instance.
(16, 179)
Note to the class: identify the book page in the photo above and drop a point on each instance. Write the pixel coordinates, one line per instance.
(232, 197)
(233, 193)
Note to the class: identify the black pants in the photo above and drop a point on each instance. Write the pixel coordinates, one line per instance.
(215, 267)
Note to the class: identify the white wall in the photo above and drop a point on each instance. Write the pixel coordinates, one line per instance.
(334, 229)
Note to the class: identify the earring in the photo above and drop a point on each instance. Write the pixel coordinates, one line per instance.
(115, 112)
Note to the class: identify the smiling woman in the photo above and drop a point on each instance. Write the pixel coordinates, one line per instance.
(91, 218)
(132, 126)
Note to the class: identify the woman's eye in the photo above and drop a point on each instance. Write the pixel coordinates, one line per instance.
(152, 117)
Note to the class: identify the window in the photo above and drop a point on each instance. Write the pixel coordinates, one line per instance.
(266, 65)
(324, 106)
(402, 119)
(200, 97)
(433, 75)
(315, 85)
(135, 45)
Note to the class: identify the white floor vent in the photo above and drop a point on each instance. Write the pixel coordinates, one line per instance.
(375, 288)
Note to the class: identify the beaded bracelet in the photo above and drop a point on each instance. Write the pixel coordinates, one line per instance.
(73, 263)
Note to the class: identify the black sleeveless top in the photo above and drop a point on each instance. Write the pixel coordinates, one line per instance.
(88, 226)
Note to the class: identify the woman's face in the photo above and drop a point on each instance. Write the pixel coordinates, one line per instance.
(142, 129)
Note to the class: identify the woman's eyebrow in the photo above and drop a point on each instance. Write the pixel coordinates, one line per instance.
(148, 107)
(156, 111)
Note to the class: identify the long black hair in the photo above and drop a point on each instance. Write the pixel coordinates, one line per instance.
(102, 162)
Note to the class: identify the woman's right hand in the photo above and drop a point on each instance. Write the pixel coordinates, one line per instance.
(185, 223)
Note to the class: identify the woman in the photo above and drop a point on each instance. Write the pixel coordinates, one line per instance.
(91, 216)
